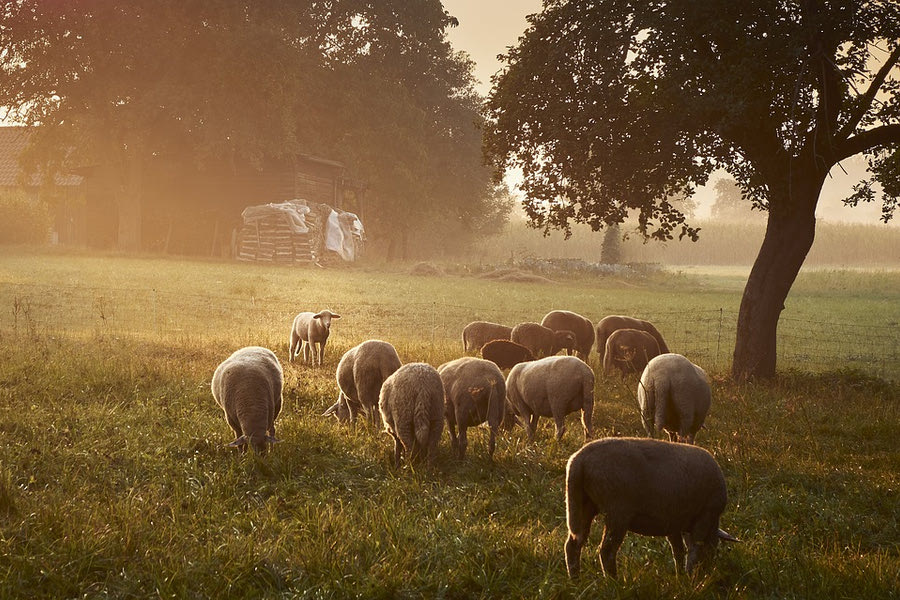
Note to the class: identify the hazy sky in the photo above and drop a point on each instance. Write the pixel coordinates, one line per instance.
(488, 27)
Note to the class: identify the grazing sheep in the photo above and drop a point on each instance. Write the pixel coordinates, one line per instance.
(564, 320)
(608, 325)
(474, 393)
(505, 354)
(628, 350)
(247, 386)
(649, 487)
(478, 333)
(309, 331)
(552, 387)
(542, 341)
(674, 395)
(412, 409)
(360, 374)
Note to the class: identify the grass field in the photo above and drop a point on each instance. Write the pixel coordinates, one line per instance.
(114, 481)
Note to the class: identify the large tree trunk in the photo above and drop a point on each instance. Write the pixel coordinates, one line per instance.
(789, 236)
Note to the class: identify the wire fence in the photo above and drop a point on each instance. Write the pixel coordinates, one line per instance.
(705, 335)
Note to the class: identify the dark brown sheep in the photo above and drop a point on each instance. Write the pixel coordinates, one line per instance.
(542, 341)
(628, 350)
(564, 320)
(613, 322)
(506, 354)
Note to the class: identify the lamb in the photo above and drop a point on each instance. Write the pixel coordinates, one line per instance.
(674, 395)
(609, 324)
(412, 409)
(552, 387)
(628, 350)
(474, 393)
(505, 354)
(309, 331)
(478, 333)
(360, 374)
(542, 341)
(650, 487)
(247, 386)
(564, 320)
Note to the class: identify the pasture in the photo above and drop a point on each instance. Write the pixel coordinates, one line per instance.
(115, 482)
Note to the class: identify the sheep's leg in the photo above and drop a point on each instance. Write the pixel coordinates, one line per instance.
(577, 537)
(398, 450)
(531, 426)
(677, 544)
(463, 441)
(454, 442)
(304, 347)
(613, 535)
(320, 347)
(235, 425)
(560, 426)
(492, 442)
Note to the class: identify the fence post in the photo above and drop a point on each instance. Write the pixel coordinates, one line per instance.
(718, 338)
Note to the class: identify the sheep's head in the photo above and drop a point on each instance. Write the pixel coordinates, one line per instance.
(700, 552)
(564, 339)
(340, 410)
(627, 353)
(325, 318)
(259, 443)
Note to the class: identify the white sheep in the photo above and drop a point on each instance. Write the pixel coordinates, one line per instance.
(474, 393)
(552, 387)
(673, 395)
(650, 487)
(478, 333)
(247, 386)
(360, 375)
(311, 330)
(412, 409)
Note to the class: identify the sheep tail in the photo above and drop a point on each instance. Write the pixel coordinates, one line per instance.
(422, 424)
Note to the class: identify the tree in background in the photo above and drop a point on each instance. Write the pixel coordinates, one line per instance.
(375, 84)
(615, 105)
(611, 250)
(730, 204)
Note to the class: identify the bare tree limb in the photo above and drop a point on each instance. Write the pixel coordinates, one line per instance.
(869, 96)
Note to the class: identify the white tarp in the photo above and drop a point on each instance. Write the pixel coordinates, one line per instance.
(342, 230)
(293, 212)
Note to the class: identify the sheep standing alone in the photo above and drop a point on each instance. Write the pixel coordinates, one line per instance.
(628, 350)
(552, 387)
(478, 333)
(474, 393)
(608, 325)
(311, 330)
(247, 387)
(674, 395)
(412, 409)
(360, 375)
(505, 354)
(564, 320)
(542, 341)
(649, 487)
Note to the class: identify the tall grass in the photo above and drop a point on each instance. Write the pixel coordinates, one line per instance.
(114, 481)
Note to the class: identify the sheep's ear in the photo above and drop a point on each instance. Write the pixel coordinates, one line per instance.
(334, 316)
(272, 440)
(238, 442)
(317, 316)
(724, 535)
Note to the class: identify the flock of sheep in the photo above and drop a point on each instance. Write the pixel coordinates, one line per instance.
(648, 486)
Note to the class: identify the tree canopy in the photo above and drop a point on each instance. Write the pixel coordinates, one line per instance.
(375, 84)
(615, 106)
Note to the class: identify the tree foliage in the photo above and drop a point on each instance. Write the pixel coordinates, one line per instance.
(615, 106)
(375, 84)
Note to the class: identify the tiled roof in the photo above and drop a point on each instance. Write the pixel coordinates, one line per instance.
(13, 141)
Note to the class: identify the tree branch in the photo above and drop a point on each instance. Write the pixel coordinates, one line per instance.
(869, 96)
(871, 138)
